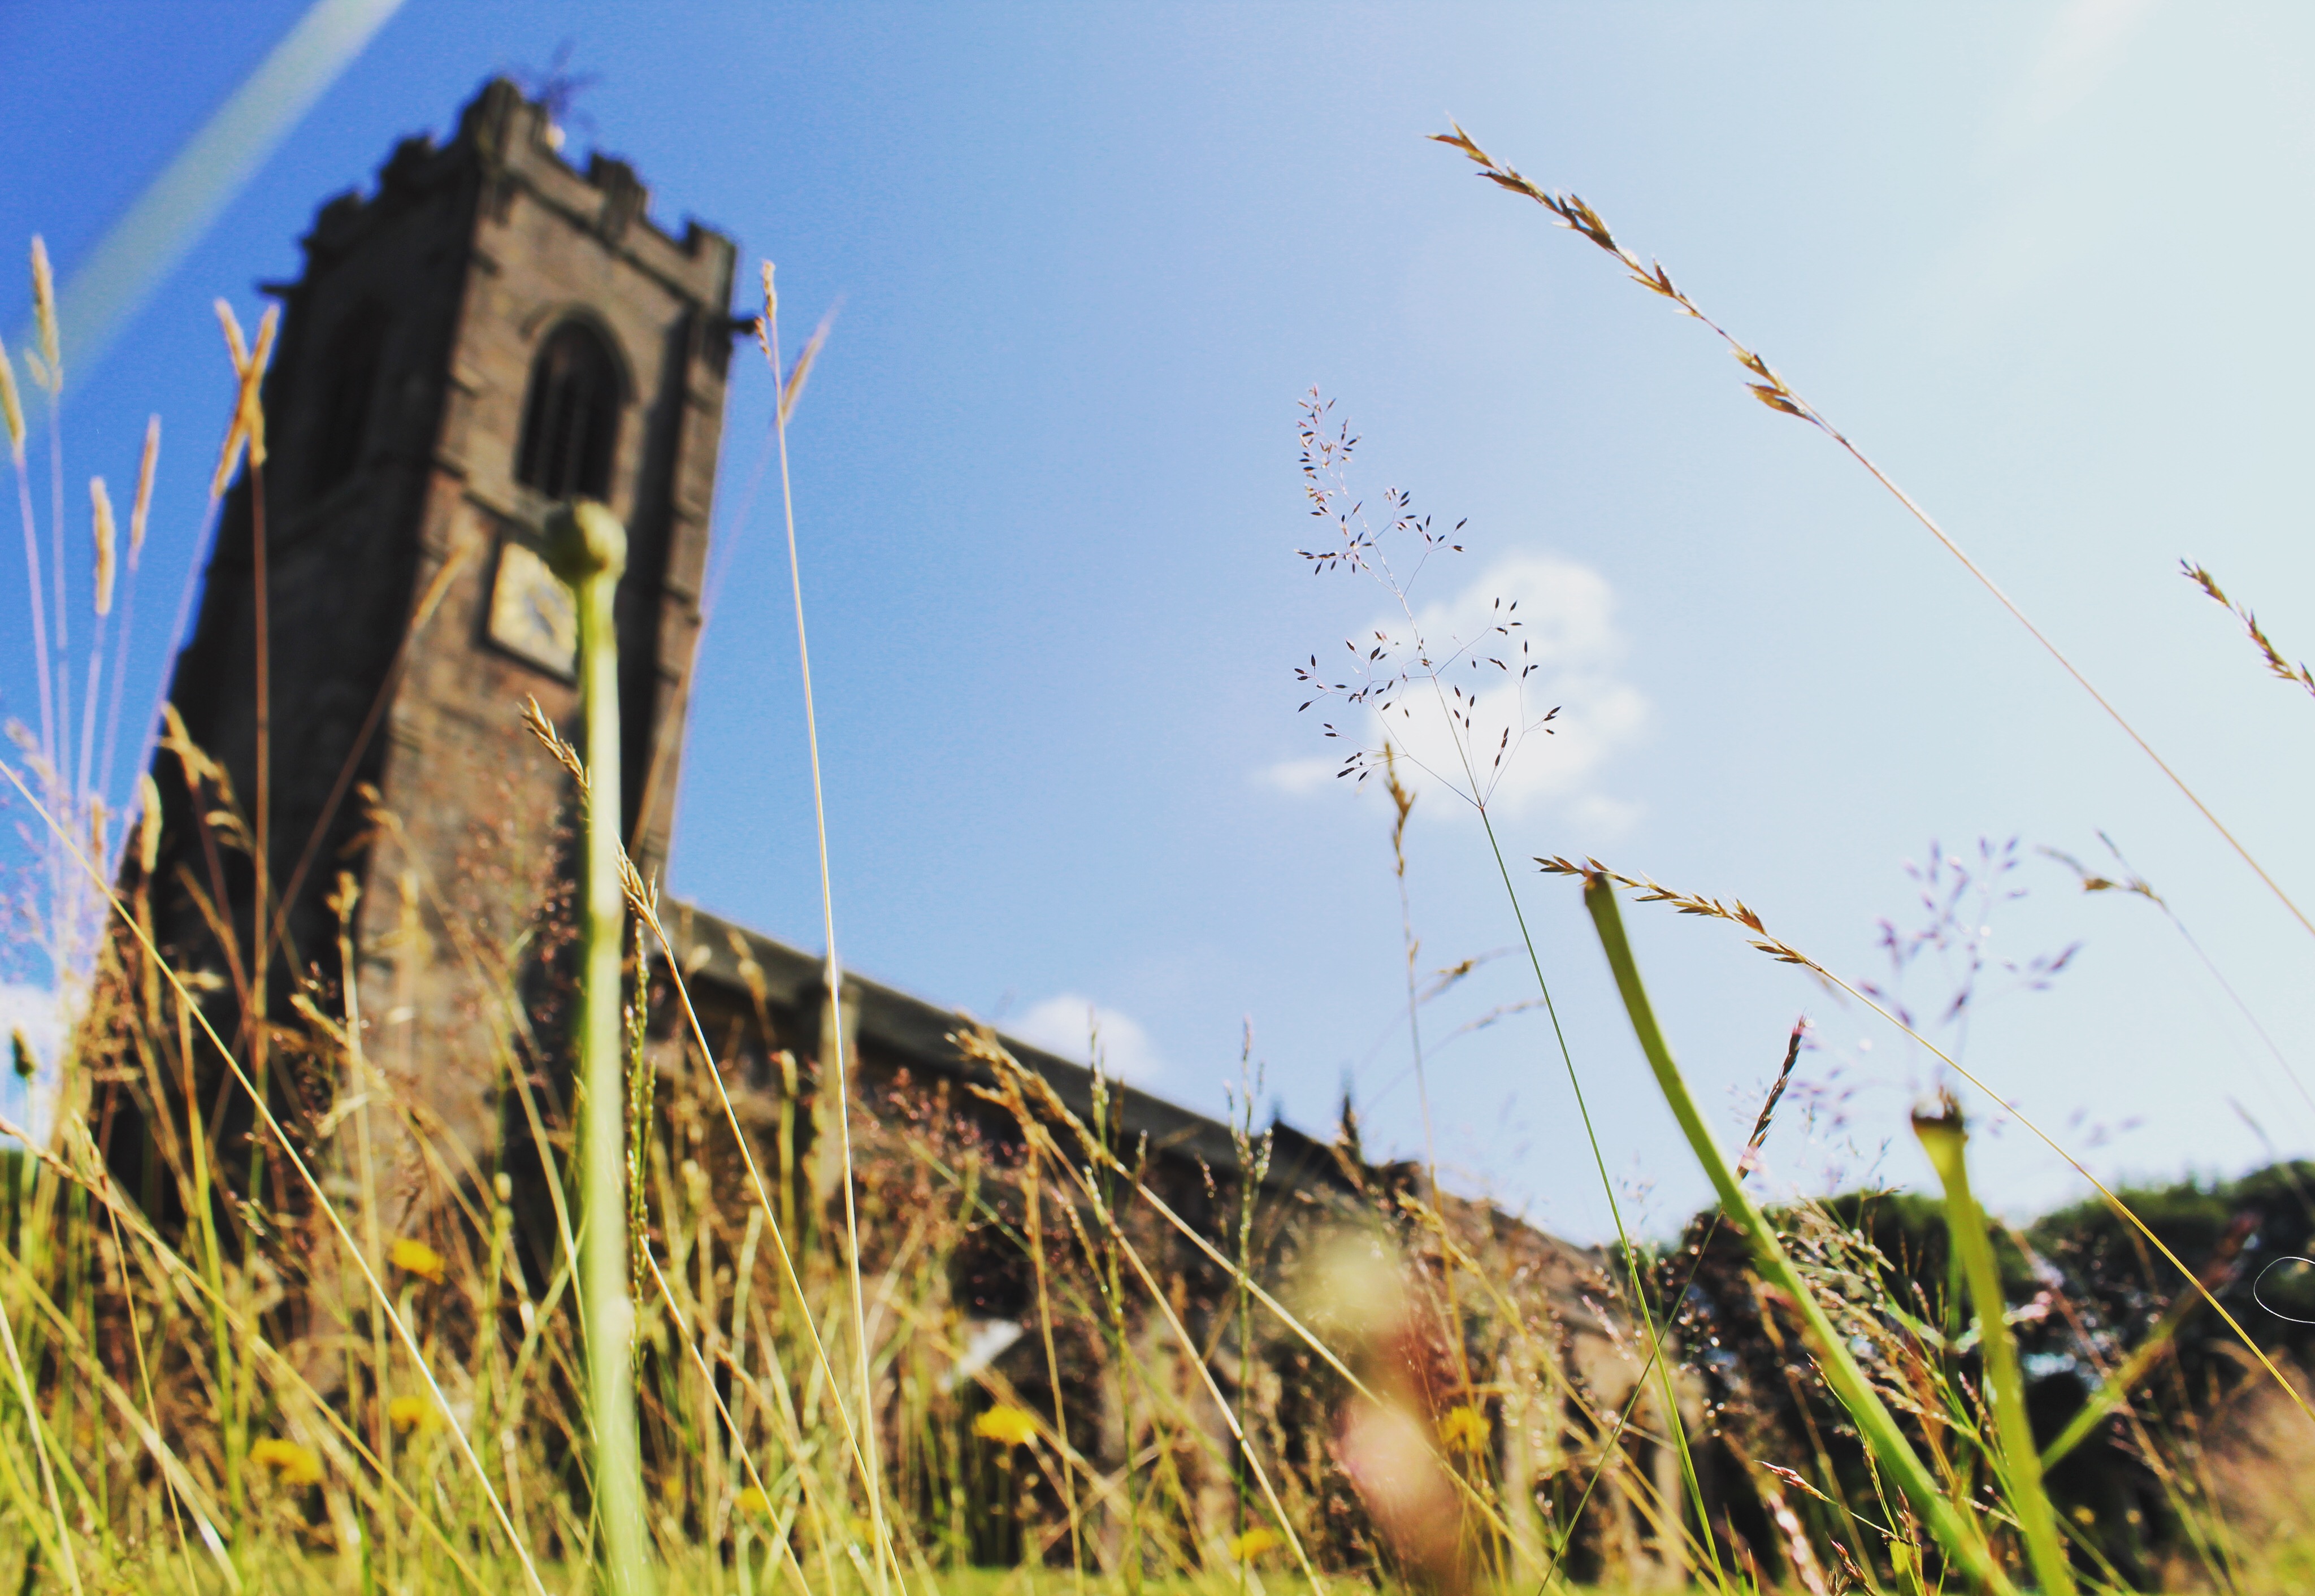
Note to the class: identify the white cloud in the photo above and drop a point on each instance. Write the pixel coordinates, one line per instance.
(1065, 1025)
(1551, 619)
(2038, 220)
(1296, 778)
(2086, 43)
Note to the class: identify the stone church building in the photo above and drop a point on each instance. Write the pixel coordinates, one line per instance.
(489, 332)
(492, 330)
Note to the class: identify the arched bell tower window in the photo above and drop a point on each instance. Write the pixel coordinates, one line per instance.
(570, 421)
(351, 378)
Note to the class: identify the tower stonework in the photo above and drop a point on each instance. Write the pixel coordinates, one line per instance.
(490, 333)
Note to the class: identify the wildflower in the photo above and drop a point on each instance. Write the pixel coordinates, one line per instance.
(1464, 1428)
(415, 1258)
(297, 1465)
(1246, 1548)
(1006, 1425)
(753, 1501)
(406, 1413)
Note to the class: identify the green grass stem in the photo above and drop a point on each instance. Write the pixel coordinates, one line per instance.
(1944, 1140)
(588, 549)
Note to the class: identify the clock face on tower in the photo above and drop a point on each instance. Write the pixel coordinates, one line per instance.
(532, 614)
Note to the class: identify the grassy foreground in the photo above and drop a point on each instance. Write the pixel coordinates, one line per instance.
(704, 1325)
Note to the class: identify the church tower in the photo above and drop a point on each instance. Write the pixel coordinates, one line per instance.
(491, 332)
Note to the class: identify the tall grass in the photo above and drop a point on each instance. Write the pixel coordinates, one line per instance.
(762, 1314)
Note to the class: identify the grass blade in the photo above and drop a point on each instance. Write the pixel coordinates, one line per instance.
(1943, 1138)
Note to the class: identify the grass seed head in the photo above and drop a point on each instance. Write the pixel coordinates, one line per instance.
(44, 306)
(101, 509)
(144, 505)
(247, 429)
(2276, 662)
(792, 388)
(148, 824)
(11, 407)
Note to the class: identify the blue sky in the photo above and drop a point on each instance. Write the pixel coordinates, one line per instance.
(2039, 260)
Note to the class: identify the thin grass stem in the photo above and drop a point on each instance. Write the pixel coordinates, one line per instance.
(788, 387)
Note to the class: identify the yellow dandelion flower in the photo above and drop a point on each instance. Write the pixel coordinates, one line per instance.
(1006, 1425)
(1465, 1429)
(297, 1465)
(413, 1256)
(406, 1413)
(1246, 1548)
(753, 1501)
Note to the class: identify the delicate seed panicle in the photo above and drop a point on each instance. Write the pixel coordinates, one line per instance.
(1570, 211)
(534, 718)
(101, 504)
(144, 505)
(12, 406)
(44, 305)
(2275, 659)
(1689, 903)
